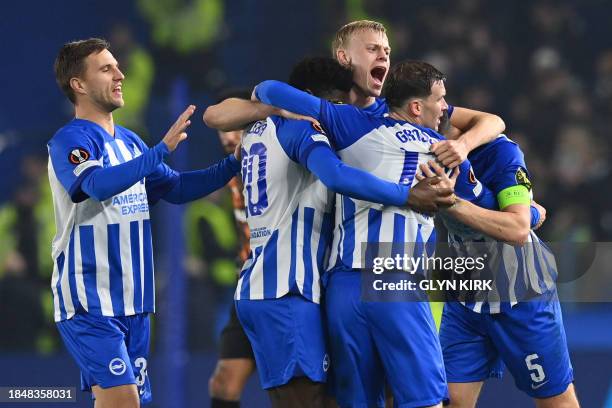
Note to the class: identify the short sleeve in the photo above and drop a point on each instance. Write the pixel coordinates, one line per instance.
(74, 153)
(299, 137)
(510, 168)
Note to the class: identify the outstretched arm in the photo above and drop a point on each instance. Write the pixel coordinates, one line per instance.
(286, 97)
(103, 183)
(192, 185)
(235, 114)
(361, 185)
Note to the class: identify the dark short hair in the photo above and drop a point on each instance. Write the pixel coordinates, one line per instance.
(240, 93)
(410, 79)
(321, 76)
(70, 61)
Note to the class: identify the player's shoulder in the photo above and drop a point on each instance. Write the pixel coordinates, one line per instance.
(77, 131)
(296, 126)
(128, 135)
(504, 147)
(379, 107)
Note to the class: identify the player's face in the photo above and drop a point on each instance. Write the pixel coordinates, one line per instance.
(229, 140)
(433, 106)
(102, 81)
(367, 52)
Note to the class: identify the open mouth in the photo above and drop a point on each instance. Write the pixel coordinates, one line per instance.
(117, 90)
(378, 74)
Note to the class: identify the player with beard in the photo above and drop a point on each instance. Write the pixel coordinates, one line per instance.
(103, 179)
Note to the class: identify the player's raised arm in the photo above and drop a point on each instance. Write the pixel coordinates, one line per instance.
(235, 113)
(101, 183)
(469, 129)
(286, 97)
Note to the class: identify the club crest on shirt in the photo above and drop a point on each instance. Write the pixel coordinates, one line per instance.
(78, 156)
(522, 179)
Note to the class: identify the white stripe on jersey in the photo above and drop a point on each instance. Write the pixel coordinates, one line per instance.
(54, 280)
(299, 251)
(125, 248)
(283, 262)
(78, 269)
(127, 156)
(66, 295)
(102, 270)
(112, 157)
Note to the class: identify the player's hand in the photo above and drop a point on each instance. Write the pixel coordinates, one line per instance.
(542, 212)
(290, 115)
(427, 197)
(451, 153)
(176, 134)
(432, 169)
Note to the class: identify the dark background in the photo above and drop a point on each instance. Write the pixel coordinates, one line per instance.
(544, 66)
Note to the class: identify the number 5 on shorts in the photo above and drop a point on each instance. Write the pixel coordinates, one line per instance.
(538, 372)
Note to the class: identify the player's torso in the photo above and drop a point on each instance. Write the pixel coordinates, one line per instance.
(391, 152)
(103, 250)
(287, 209)
(518, 272)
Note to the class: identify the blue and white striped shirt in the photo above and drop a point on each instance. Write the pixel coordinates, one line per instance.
(102, 251)
(288, 212)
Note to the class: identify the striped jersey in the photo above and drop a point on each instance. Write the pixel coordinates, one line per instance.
(391, 150)
(518, 273)
(288, 211)
(102, 251)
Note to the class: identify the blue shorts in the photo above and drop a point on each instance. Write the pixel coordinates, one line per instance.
(110, 351)
(376, 342)
(287, 339)
(529, 339)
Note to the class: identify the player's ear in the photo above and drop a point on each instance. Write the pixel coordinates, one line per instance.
(342, 57)
(77, 86)
(414, 107)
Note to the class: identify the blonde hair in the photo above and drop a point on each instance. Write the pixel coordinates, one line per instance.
(346, 31)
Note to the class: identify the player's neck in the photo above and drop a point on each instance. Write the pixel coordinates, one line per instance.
(94, 114)
(360, 99)
(405, 116)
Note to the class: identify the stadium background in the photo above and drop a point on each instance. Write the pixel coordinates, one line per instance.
(544, 66)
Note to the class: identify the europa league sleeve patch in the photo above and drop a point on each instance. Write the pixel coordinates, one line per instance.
(78, 155)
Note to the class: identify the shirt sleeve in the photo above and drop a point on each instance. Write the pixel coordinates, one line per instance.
(158, 183)
(285, 96)
(471, 189)
(353, 182)
(191, 185)
(74, 153)
(510, 170)
(299, 137)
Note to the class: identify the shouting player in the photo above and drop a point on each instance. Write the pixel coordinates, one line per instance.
(289, 217)
(103, 179)
(373, 340)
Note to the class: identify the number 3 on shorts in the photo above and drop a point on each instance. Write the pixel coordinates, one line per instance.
(141, 363)
(538, 372)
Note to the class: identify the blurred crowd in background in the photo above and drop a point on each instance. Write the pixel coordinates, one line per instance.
(544, 66)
